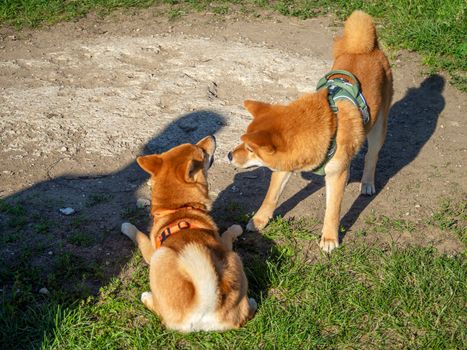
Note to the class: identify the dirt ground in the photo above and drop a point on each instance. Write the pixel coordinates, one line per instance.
(80, 100)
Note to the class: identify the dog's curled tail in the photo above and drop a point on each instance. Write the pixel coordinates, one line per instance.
(197, 263)
(359, 35)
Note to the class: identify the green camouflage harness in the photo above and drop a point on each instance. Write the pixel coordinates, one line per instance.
(341, 89)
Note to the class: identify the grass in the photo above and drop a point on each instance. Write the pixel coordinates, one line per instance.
(358, 297)
(81, 239)
(98, 198)
(16, 213)
(434, 28)
(451, 216)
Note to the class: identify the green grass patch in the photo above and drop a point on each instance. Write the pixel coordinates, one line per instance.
(358, 297)
(15, 213)
(98, 198)
(81, 239)
(355, 298)
(434, 28)
(385, 224)
(361, 299)
(451, 216)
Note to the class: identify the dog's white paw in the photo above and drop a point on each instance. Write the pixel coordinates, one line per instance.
(256, 224)
(367, 188)
(328, 245)
(236, 230)
(129, 230)
(145, 297)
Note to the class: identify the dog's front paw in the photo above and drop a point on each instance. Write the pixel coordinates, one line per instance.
(236, 231)
(328, 244)
(367, 188)
(129, 230)
(256, 224)
(146, 298)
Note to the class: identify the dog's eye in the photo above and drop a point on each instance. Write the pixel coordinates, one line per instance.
(248, 149)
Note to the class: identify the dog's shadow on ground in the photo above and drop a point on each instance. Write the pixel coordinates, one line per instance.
(235, 205)
(73, 256)
(412, 122)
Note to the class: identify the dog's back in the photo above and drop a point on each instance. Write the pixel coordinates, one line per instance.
(199, 288)
(357, 51)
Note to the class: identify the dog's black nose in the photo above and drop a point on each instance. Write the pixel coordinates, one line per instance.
(229, 156)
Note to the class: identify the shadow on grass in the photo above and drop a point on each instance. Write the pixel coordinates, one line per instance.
(73, 256)
(234, 205)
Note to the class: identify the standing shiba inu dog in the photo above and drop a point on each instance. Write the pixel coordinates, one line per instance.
(197, 281)
(324, 130)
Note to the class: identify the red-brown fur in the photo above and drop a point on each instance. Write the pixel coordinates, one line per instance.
(180, 192)
(296, 136)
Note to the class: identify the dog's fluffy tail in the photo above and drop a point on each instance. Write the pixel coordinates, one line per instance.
(359, 35)
(196, 261)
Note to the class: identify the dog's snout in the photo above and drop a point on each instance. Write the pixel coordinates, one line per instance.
(229, 155)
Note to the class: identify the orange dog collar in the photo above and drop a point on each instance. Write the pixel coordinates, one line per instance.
(176, 227)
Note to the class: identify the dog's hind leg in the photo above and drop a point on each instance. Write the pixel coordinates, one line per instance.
(230, 235)
(142, 240)
(375, 139)
(146, 298)
(336, 178)
(264, 214)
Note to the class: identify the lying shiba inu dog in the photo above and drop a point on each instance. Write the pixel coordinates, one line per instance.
(324, 130)
(197, 281)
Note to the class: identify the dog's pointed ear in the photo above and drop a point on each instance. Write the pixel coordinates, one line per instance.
(192, 168)
(260, 140)
(255, 107)
(208, 144)
(150, 164)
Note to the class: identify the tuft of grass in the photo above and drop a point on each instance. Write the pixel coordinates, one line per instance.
(16, 214)
(81, 239)
(235, 213)
(385, 224)
(43, 226)
(12, 209)
(451, 216)
(98, 198)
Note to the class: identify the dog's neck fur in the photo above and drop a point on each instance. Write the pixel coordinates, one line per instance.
(198, 212)
(318, 122)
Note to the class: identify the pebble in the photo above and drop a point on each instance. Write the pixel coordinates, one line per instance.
(67, 211)
(44, 291)
(142, 203)
(63, 149)
(417, 205)
(50, 253)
